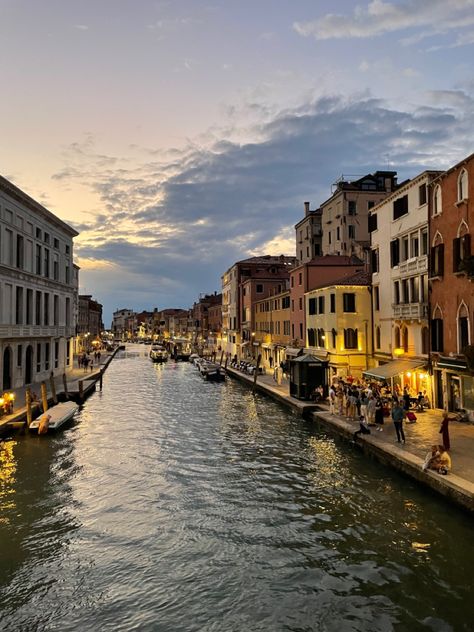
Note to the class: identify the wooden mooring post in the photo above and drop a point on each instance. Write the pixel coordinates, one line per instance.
(29, 414)
(222, 357)
(226, 360)
(256, 370)
(44, 396)
(100, 379)
(81, 390)
(66, 393)
(52, 386)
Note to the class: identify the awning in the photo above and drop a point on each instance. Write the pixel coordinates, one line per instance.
(266, 345)
(395, 367)
(292, 351)
(451, 363)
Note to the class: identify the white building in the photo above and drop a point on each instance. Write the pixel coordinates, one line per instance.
(120, 321)
(38, 290)
(399, 253)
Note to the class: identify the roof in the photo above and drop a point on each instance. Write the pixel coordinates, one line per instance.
(395, 367)
(332, 260)
(308, 358)
(359, 278)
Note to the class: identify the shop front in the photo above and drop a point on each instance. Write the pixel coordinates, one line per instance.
(401, 373)
(454, 385)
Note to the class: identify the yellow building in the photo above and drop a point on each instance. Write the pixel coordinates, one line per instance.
(272, 328)
(339, 324)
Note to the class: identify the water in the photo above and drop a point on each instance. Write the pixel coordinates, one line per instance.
(178, 505)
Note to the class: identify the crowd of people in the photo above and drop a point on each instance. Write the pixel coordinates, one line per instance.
(86, 361)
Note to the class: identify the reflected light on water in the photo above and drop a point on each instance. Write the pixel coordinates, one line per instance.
(8, 467)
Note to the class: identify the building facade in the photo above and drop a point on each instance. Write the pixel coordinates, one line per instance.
(89, 321)
(309, 235)
(38, 290)
(272, 328)
(451, 219)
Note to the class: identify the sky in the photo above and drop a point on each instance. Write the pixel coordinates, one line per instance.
(181, 136)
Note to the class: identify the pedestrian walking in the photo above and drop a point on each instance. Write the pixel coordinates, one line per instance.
(398, 415)
(332, 400)
(444, 432)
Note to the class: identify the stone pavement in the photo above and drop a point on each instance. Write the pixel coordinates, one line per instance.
(407, 457)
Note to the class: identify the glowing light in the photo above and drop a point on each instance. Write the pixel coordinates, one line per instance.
(408, 374)
(398, 351)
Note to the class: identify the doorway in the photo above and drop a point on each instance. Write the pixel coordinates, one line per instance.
(7, 369)
(29, 365)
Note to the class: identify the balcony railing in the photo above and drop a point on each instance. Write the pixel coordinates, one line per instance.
(415, 311)
(413, 266)
(33, 331)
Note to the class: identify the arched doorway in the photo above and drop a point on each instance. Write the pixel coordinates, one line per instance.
(7, 369)
(29, 365)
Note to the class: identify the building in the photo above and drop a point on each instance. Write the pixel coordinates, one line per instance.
(89, 321)
(339, 325)
(38, 290)
(264, 267)
(309, 235)
(200, 310)
(272, 328)
(345, 214)
(308, 276)
(451, 220)
(121, 322)
(399, 262)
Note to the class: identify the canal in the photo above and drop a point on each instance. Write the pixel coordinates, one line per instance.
(177, 505)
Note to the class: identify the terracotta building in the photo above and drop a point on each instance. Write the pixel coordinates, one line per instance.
(451, 227)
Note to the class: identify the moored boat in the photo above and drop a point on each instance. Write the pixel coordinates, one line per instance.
(54, 417)
(158, 354)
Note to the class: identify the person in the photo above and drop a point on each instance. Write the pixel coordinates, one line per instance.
(420, 400)
(430, 458)
(332, 400)
(364, 401)
(352, 405)
(379, 413)
(398, 415)
(340, 401)
(371, 408)
(406, 399)
(363, 428)
(444, 431)
(440, 461)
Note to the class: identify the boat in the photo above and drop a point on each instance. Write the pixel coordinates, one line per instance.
(58, 416)
(158, 354)
(210, 370)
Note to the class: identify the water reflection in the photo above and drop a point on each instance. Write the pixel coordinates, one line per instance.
(176, 504)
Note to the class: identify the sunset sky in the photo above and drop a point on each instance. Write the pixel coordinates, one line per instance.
(179, 137)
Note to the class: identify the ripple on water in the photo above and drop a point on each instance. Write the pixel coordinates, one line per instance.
(173, 504)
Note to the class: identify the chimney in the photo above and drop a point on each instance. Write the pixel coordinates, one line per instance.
(306, 209)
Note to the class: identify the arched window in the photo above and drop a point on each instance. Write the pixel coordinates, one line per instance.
(437, 201)
(437, 256)
(437, 342)
(461, 247)
(462, 186)
(396, 337)
(425, 340)
(463, 327)
(377, 337)
(405, 339)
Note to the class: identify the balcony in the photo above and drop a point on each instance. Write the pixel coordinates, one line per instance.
(410, 311)
(33, 331)
(417, 265)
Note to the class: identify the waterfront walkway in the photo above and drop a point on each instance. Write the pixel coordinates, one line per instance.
(73, 377)
(408, 457)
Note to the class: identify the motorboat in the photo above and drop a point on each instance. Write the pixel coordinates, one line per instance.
(158, 354)
(54, 417)
(210, 370)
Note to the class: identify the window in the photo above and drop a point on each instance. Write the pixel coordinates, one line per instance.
(374, 259)
(46, 238)
(46, 309)
(370, 204)
(414, 245)
(19, 356)
(463, 328)
(350, 338)
(332, 303)
(394, 253)
(348, 302)
(311, 337)
(46, 263)
(321, 304)
(424, 241)
(19, 252)
(437, 202)
(461, 251)
(19, 306)
(437, 261)
(422, 194)
(437, 334)
(68, 312)
(56, 243)
(329, 237)
(292, 305)
(38, 233)
(414, 290)
(396, 292)
(352, 207)
(377, 337)
(405, 339)
(38, 308)
(29, 307)
(334, 338)
(405, 252)
(292, 281)
(56, 310)
(67, 251)
(338, 233)
(377, 298)
(38, 355)
(351, 231)
(300, 303)
(396, 337)
(462, 186)
(405, 298)
(312, 306)
(285, 302)
(46, 355)
(56, 354)
(300, 278)
(400, 207)
(372, 222)
(425, 340)
(321, 338)
(38, 260)
(259, 288)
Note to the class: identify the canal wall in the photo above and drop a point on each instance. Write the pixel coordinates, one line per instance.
(454, 488)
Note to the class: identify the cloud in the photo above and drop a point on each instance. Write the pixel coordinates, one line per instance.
(379, 17)
(172, 227)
